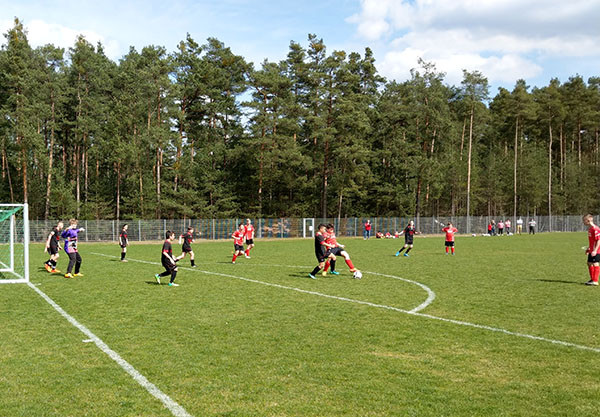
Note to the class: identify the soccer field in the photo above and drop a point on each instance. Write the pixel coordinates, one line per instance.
(504, 328)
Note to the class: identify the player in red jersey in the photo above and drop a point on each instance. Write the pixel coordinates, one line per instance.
(238, 242)
(336, 249)
(249, 234)
(450, 230)
(593, 249)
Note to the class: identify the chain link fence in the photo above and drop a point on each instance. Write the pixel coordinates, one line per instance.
(213, 229)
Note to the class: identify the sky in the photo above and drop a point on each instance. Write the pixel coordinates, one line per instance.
(506, 40)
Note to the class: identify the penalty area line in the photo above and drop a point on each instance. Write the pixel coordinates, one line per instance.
(412, 312)
(170, 404)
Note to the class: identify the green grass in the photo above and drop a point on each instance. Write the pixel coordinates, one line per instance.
(221, 346)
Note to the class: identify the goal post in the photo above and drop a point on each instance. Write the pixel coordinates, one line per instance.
(14, 243)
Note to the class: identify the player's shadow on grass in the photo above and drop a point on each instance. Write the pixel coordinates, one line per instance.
(152, 283)
(299, 275)
(560, 281)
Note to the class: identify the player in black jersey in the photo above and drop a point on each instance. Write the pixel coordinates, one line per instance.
(187, 239)
(123, 242)
(408, 232)
(53, 248)
(167, 260)
(321, 250)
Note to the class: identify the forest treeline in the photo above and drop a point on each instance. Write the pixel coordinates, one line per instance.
(201, 132)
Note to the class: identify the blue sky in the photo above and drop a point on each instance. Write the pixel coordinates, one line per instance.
(504, 39)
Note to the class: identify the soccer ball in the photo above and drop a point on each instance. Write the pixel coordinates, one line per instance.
(357, 274)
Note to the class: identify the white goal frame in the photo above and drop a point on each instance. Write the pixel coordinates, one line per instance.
(10, 268)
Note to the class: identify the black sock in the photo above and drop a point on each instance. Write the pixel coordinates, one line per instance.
(315, 271)
(164, 274)
(52, 263)
(408, 250)
(400, 251)
(193, 264)
(122, 255)
(332, 265)
(173, 275)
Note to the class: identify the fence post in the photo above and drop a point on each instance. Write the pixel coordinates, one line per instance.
(139, 230)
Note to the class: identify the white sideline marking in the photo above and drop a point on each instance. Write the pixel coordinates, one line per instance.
(410, 312)
(176, 409)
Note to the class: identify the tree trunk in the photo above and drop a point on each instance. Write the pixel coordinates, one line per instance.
(470, 153)
(77, 181)
(515, 168)
(562, 151)
(579, 143)
(462, 138)
(5, 163)
(260, 172)
(50, 160)
(118, 208)
(550, 175)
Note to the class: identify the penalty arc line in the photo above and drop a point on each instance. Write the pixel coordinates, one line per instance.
(382, 306)
(170, 404)
(424, 304)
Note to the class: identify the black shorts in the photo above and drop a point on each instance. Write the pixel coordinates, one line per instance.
(249, 241)
(322, 256)
(167, 264)
(238, 247)
(52, 250)
(450, 244)
(336, 251)
(186, 249)
(408, 241)
(123, 246)
(593, 259)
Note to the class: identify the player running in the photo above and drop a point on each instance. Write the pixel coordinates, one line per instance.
(238, 242)
(70, 234)
(53, 248)
(408, 233)
(167, 260)
(450, 230)
(187, 239)
(336, 249)
(249, 235)
(593, 249)
(123, 242)
(321, 250)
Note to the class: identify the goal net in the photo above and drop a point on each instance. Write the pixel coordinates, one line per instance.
(14, 243)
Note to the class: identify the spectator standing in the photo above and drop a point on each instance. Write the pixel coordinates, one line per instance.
(367, 232)
(532, 225)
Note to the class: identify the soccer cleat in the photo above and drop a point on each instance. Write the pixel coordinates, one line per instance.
(172, 284)
(335, 272)
(55, 271)
(157, 277)
(79, 274)
(194, 266)
(48, 267)
(590, 282)
(68, 275)
(311, 276)
(407, 255)
(397, 253)
(124, 260)
(232, 262)
(324, 273)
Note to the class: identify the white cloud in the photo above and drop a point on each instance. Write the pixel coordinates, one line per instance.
(504, 39)
(41, 33)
